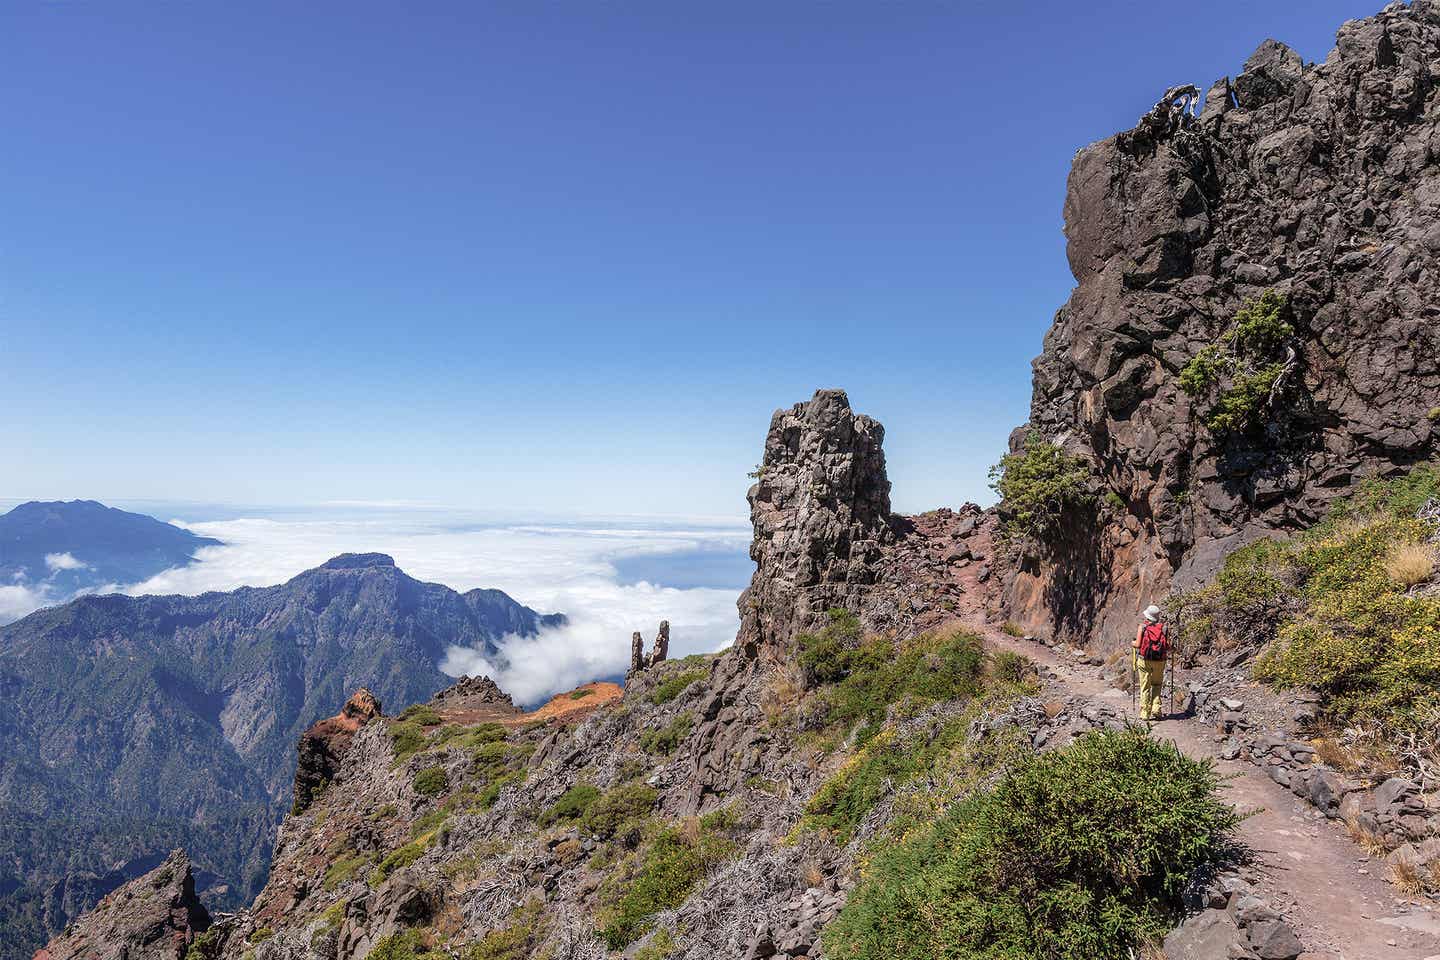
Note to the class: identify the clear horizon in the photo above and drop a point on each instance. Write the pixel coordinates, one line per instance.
(546, 260)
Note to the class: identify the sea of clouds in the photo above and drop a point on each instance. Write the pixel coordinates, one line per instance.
(571, 567)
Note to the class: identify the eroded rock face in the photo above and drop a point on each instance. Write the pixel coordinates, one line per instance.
(821, 512)
(323, 745)
(153, 917)
(1319, 182)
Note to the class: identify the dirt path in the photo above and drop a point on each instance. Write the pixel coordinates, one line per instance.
(1329, 889)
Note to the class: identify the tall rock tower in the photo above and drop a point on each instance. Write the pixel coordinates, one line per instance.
(821, 512)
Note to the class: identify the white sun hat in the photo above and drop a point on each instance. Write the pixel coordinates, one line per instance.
(1152, 613)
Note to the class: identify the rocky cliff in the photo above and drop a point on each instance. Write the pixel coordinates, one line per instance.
(1318, 184)
(155, 917)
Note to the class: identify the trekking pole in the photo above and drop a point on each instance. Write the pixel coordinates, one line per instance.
(1134, 677)
(1171, 671)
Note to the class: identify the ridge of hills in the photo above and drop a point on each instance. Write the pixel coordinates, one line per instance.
(132, 725)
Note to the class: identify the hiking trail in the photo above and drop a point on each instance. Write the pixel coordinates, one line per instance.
(1327, 887)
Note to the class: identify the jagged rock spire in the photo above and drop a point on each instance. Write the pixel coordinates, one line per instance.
(821, 511)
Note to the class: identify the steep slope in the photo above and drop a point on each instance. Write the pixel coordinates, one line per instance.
(57, 549)
(1317, 185)
(158, 917)
(154, 722)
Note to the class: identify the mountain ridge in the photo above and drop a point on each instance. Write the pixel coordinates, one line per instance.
(59, 548)
(178, 708)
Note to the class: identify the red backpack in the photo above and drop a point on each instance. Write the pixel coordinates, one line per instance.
(1154, 644)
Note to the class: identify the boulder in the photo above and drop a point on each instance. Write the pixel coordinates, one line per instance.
(1205, 936)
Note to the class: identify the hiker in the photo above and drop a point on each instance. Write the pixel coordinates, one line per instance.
(1152, 645)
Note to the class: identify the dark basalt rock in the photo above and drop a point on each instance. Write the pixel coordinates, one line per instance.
(1320, 182)
(821, 512)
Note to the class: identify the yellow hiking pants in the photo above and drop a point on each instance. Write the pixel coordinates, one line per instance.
(1152, 683)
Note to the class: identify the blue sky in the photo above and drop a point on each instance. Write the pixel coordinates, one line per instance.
(550, 256)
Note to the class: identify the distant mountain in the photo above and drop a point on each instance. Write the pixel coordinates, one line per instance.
(60, 548)
(133, 725)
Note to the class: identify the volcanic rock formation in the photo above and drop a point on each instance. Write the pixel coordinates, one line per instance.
(1318, 183)
(323, 745)
(155, 917)
(821, 511)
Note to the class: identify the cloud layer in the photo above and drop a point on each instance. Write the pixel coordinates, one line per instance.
(566, 568)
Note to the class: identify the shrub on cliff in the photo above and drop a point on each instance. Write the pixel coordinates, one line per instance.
(1243, 375)
(672, 687)
(664, 740)
(1077, 854)
(1038, 486)
(571, 806)
(862, 676)
(618, 809)
(1338, 603)
(431, 782)
(660, 877)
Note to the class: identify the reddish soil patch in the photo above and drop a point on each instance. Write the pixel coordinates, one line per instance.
(563, 708)
(574, 705)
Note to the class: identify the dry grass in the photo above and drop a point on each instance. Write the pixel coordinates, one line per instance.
(1012, 629)
(1151, 949)
(1410, 563)
(813, 875)
(1369, 841)
(1407, 878)
(1338, 756)
(782, 695)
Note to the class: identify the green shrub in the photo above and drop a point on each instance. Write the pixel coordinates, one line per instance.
(865, 675)
(660, 946)
(581, 694)
(431, 782)
(571, 806)
(519, 940)
(1339, 621)
(672, 687)
(422, 714)
(487, 797)
(666, 873)
(1399, 497)
(405, 945)
(406, 740)
(260, 935)
(206, 946)
(1038, 487)
(397, 860)
(1008, 667)
(333, 916)
(618, 807)
(491, 759)
(343, 870)
(724, 818)
(1077, 854)
(1238, 375)
(665, 739)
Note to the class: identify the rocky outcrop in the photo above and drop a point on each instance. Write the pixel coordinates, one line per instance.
(658, 654)
(820, 506)
(322, 746)
(154, 917)
(470, 691)
(1318, 182)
